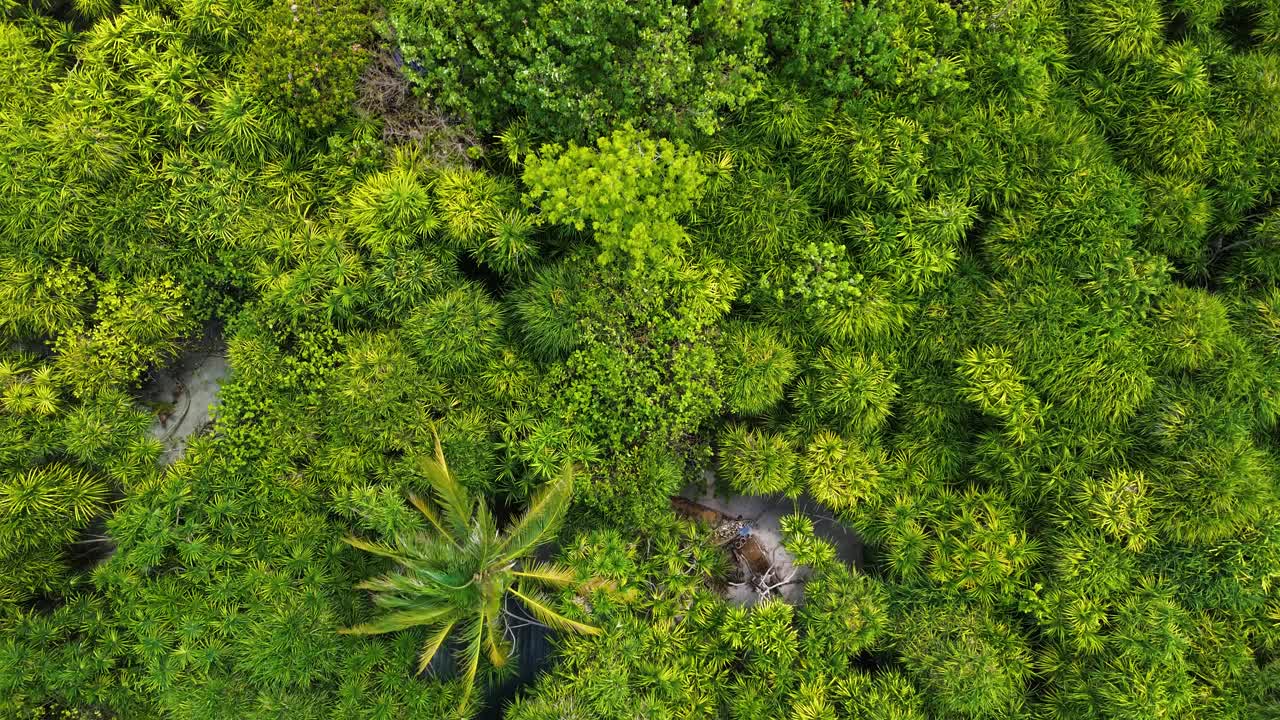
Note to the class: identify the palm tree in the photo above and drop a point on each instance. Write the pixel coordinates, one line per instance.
(455, 576)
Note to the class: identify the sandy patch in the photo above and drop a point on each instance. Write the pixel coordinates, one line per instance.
(184, 395)
(763, 514)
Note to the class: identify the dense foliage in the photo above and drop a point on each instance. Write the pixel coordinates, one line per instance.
(993, 283)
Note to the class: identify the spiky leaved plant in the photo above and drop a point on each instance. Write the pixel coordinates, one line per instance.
(457, 573)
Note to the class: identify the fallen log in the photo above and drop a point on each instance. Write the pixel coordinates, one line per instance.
(753, 555)
(697, 511)
(748, 551)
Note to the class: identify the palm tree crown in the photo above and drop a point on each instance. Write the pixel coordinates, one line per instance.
(455, 575)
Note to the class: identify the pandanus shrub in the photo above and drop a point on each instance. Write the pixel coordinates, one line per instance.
(42, 511)
(454, 577)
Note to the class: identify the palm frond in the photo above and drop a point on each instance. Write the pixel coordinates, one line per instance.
(537, 605)
(496, 646)
(424, 583)
(548, 573)
(429, 514)
(375, 548)
(541, 518)
(452, 496)
(487, 526)
(382, 583)
(433, 644)
(392, 622)
(475, 638)
(446, 580)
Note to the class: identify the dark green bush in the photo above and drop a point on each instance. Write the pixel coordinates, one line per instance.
(307, 57)
(455, 332)
(757, 463)
(575, 68)
(968, 663)
(756, 366)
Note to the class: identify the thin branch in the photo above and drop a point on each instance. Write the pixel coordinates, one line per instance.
(523, 622)
(1223, 249)
(766, 589)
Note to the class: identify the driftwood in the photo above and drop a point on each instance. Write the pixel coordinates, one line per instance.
(697, 511)
(748, 551)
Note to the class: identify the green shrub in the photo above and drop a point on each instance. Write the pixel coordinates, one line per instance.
(1190, 327)
(456, 331)
(994, 384)
(629, 191)
(757, 463)
(835, 45)
(405, 279)
(1119, 505)
(845, 49)
(968, 663)
(378, 396)
(134, 326)
(853, 390)
(391, 210)
(307, 57)
(43, 302)
(846, 614)
(1177, 217)
(756, 366)
(841, 474)
(575, 68)
(1261, 257)
(1120, 32)
(472, 203)
(42, 511)
(549, 313)
(643, 378)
